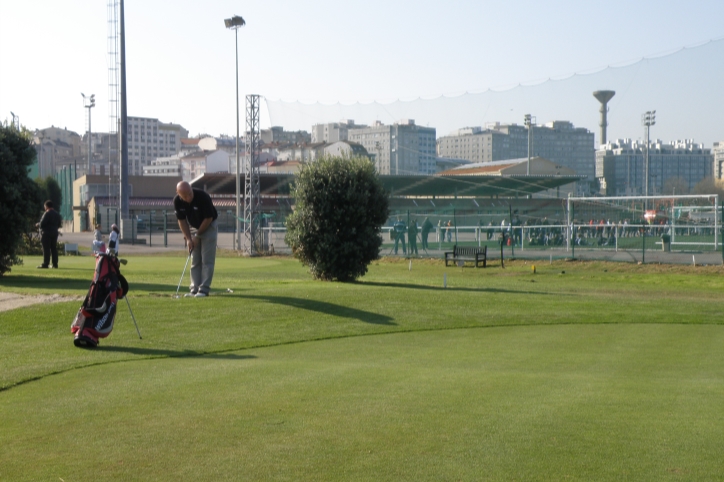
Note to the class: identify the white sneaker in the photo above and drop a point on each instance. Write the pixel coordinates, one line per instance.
(200, 295)
(189, 295)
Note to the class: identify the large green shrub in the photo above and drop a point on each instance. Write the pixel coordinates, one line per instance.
(340, 207)
(50, 190)
(20, 201)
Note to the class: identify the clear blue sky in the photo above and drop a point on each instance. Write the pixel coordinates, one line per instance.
(180, 58)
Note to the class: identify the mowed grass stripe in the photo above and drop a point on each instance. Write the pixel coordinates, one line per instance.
(586, 402)
(274, 302)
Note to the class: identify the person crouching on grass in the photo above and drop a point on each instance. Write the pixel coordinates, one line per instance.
(196, 217)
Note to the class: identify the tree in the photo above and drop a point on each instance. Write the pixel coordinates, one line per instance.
(19, 195)
(709, 185)
(50, 190)
(676, 186)
(340, 207)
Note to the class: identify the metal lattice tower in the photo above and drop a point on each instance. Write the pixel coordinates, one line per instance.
(252, 201)
(113, 87)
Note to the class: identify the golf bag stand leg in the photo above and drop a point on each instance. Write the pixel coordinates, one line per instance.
(133, 317)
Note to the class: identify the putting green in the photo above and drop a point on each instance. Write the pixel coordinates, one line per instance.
(587, 402)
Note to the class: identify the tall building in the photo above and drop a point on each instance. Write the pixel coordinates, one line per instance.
(279, 135)
(149, 139)
(401, 148)
(105, 150)
(334, 131)
(558, 141)
(718, 153)
(56, 148)
(620, 167)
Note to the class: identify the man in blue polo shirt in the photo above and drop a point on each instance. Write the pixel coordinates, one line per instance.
(196, 217)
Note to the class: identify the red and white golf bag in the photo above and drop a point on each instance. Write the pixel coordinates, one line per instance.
(95, 317)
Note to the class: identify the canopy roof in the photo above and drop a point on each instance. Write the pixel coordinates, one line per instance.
(418, 186)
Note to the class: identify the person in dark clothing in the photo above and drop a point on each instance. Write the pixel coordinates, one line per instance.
(196, 217)
(426, 228)
(412, 237)
(49, 225)
(399, 229)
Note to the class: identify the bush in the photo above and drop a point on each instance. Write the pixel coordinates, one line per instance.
(19, 195)
(340, 207)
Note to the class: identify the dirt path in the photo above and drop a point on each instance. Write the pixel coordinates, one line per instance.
(10, 301)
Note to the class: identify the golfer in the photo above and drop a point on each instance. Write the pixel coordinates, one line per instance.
(196, 217)
(49, 225)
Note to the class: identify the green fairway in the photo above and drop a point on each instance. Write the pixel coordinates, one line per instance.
(583, 371)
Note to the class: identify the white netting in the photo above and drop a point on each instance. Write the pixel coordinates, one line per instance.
(673, 84)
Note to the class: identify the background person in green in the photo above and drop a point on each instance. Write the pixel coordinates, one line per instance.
(399, 229)
(426, 228)
(412, 236)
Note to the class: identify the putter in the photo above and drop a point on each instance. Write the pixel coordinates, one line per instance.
(133, 317)
(182, 277)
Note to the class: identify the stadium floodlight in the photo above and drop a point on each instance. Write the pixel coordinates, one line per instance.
(528, 121)
(648, 119)
(235, 23)
(89, 103)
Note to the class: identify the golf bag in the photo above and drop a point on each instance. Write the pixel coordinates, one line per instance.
(98, 311)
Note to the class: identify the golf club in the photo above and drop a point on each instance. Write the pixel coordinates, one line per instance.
(133, 317)
(182, 277)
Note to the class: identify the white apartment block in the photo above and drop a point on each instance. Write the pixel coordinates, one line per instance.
(621, 171)
(164, 166)
(277, 134)
(199, 163)
(718, 153)
(399, 149)
(149, 139)
(558, 141)
(334, 131)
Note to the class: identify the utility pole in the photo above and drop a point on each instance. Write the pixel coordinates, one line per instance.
(89, 103)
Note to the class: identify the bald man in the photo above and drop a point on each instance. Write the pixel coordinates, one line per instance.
(196, 217)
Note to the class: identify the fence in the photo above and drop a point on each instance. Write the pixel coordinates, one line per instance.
(626, 229)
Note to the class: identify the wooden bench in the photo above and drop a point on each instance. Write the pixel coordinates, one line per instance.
(71, 248)
(463, 254)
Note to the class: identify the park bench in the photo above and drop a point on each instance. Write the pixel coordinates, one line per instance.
(463, 254)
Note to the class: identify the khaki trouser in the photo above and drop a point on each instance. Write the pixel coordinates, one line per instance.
(203, 258)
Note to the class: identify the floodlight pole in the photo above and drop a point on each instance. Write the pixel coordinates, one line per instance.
(528, 119)
(235, 23)
(91, 102)
(648, 119)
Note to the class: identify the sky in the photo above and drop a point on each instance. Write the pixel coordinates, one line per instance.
(180, 62)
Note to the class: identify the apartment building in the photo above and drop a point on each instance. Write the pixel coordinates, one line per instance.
(718, 154)
(403, 148)
(558, 141)
(620, 166)
(333, 131)
(149, 139)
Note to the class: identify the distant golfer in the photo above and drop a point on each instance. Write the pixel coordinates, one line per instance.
(194, 207)
(49, 225)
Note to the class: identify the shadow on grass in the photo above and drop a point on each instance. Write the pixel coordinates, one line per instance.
(440, 288)
(60, 283)
(326, 308)
(171, 353)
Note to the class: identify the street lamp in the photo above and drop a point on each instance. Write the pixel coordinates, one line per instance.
(648, 119)
(234, 23)
(16, 120)
(89, 103)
